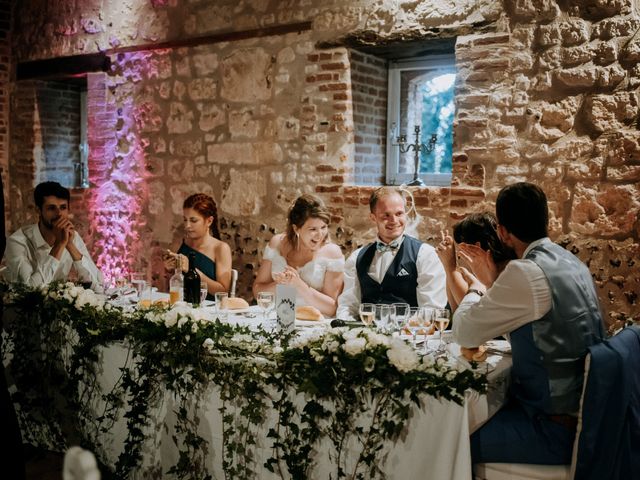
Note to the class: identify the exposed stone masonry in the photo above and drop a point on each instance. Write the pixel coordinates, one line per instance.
(5, 65)
(546, 92)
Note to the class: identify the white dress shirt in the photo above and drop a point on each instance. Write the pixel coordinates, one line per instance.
(28, 260)
(520, 294)
(432, 280)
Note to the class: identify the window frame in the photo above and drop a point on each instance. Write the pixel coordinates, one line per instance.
(396, 67)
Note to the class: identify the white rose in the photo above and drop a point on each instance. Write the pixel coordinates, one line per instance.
(194, 327)
(182, 321)
(354, 346)
(330, 345)
(171, 319)
(402, 356)
(376, 339)
(208, 344)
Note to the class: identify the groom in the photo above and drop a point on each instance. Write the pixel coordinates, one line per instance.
(396, 268)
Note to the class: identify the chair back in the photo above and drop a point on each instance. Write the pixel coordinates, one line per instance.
(234, 281)
(80, 464)
(609, 428)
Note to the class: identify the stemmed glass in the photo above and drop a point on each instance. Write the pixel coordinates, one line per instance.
(367, 313)
(413, 324)
(427, 315)
(382, 316)
(266, 301)
(139, 282)
(399, 315)
(204, 291)
(441, 317)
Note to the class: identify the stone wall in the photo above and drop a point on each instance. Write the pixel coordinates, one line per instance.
(5, 68)
(546, 92)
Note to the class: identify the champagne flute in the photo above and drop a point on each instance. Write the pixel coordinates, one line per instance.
(399, 315)
(441, 316)
(266, 301)
(367, 313)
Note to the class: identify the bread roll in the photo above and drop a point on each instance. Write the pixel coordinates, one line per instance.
(308, 312)
(235, 303)
(477, 354)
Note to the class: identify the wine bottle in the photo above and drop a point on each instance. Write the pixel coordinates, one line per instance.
(192, 283)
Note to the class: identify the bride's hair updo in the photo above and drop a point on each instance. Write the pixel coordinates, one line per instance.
(205, 206)
(305, 207)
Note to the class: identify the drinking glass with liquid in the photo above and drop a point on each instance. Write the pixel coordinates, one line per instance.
(441, 318)
(176, 287)
(266, 301)
(367, 313)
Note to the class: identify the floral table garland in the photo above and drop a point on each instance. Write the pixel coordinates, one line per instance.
(343, 374)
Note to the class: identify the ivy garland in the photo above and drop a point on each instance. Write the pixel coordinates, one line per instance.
(337, 387)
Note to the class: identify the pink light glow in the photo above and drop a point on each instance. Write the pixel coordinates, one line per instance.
(119, 117)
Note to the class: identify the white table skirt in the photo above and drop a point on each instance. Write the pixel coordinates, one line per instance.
(434, 444)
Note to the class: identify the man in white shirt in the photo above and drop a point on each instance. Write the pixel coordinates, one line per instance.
(397, 268)
(546, 302)
(41, 253)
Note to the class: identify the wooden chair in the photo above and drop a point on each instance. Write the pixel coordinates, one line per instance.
(80, 464)
(234, 281)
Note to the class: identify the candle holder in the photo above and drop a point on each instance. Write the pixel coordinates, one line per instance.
(417, 147)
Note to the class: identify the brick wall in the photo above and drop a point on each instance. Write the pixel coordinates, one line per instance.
(5, 65)
(58, 132)
(369, 79)
(45, 116)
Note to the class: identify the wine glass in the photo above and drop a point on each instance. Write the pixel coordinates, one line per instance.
(382, 316)
(427, 315)
(204, 291)
(139, 282)
(266, 301)
(441, 317)
(367, 313)
(399, 315)
(413, 323)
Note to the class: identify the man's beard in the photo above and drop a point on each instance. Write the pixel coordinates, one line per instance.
(49, 225)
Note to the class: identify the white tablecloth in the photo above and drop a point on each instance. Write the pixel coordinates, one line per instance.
(434, 444)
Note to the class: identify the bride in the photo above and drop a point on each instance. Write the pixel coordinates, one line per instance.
(304, 258)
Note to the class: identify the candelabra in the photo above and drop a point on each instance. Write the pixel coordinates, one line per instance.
(417, 147)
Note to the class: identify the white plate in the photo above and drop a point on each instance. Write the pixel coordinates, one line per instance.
(240, 311)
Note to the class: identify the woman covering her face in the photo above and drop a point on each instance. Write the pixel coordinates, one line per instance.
(201, 237)
(304, 258)
(476, 247)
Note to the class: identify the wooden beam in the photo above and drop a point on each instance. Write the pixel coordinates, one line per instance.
(61, 67)
(217, 38)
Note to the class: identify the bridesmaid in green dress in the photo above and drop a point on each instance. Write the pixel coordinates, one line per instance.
(201, 237)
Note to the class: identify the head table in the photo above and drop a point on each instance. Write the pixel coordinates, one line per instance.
(175, 432)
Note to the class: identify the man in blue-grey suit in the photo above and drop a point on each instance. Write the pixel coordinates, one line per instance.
(546, 302)
(396, 268)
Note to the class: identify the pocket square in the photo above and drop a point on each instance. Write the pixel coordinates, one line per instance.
(403, 273)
